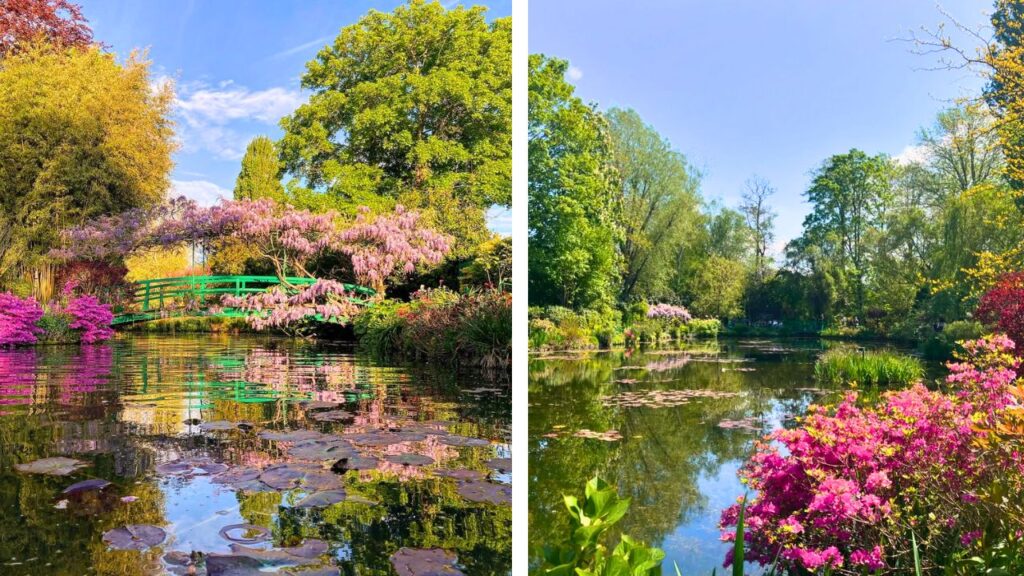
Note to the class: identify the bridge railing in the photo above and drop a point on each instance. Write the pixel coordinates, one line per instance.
(158, 293)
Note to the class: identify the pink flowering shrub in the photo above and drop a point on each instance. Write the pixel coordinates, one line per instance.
(18, 319)
(277, 308)
(844, 490)
(91, 317)
(669, 312)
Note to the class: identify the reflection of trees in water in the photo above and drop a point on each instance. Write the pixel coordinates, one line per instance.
(122, 406)
(664, 451)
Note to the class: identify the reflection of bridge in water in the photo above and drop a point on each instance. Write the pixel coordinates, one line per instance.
(201, 296)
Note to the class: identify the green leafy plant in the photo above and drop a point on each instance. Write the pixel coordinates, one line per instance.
(584, 553)
(843, 366)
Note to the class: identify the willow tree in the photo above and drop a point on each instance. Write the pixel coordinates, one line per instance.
(412, 106)
(81, 135)
(658, 203)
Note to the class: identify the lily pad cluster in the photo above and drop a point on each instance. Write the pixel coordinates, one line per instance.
(663, 398)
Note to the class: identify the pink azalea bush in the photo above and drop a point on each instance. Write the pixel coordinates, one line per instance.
(18, 319)
(91, 317)
(669, 312)
(844, 490)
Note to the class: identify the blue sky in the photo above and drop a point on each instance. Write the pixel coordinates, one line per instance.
(770, 87)
(236, 67)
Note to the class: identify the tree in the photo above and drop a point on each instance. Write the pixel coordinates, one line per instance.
(80, 136)
(963, 146)
(260, 176)
(760, 220)
(573, 234)
(658, 203)
(718, 287)
(1004, 58)
(846, 195)
(57, 22)
(412, 106)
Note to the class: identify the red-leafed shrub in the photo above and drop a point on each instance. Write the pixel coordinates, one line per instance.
(1003, 306)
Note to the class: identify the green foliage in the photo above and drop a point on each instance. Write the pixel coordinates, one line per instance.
(658, 199)
(57, 329)
(80, 136)
(573, 231)
(869, 368)
(491, 266)
(442, 326)
(411, 106)
(557, 327)
(717, 288)
(704, 327)
(260, 176)
(941, 345)
(583, 552)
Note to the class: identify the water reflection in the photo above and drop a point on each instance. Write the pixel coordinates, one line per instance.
(687, 420)
(125, 407)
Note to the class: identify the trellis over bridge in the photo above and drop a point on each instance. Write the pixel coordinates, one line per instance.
(201, 296)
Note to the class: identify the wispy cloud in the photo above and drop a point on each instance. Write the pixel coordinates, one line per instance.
(203, 192)
(212, 117)
(911, 155)
(499, 220)
(300, 48)
(574, 73)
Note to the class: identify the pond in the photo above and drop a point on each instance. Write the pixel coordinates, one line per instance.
(670, 427)
(249, 456)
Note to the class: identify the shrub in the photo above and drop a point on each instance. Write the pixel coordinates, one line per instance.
(941, 345)
(1003, 307)
(704, 327)
(842, 366)
(669, 312)
(56, 328)
(379, 328)
(91, 317)
(18, 318)
(866, 488)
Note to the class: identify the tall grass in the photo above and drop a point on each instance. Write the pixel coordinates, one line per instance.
(844, 366)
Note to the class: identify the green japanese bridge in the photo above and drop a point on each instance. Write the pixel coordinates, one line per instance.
(201, 296)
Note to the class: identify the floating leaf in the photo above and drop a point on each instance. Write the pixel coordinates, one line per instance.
(233, 565)
(187, 467)
(486, 492)
(500, 464)
(321, 450)
(57, 466)
(384, 438)
(424, 562)
(217, 426)
(331, 416)
(262, 534)
(355, 463)
(85, 486)
(464, 441)
(297, 474)
(135, 537)
(459, 474)
(290, 435)
(409, 459)
(321, 499)
(239, 475)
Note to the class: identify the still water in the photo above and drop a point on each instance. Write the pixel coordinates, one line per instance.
(217, 441)
(670, 427)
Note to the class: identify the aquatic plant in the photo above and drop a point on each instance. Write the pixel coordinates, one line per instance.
(857, 488)
(18, 320)
(843, 366)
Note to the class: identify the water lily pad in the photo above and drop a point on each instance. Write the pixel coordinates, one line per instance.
(486, 492)
(409, 459)
(464, 441)
(321, 450)
(500, 464)
(239, 475)
(384, 438)
(424, 562)
(57, 466)
(459, 474)
(85, 486)
(321, 571)
(233, 565)
(178, 558)
(135, 537)
(321, 499)
(331, 416)
(355, 463)
(290, 435)
(261, 533)
(187, 467)
(310, 548)
(317, 404)
(296, 474)
(217, 426)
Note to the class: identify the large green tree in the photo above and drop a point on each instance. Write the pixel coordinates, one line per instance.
(412, 106)
(847, 195)
(658, 203)
(80, 136)
(573, 232)
(260, 176)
